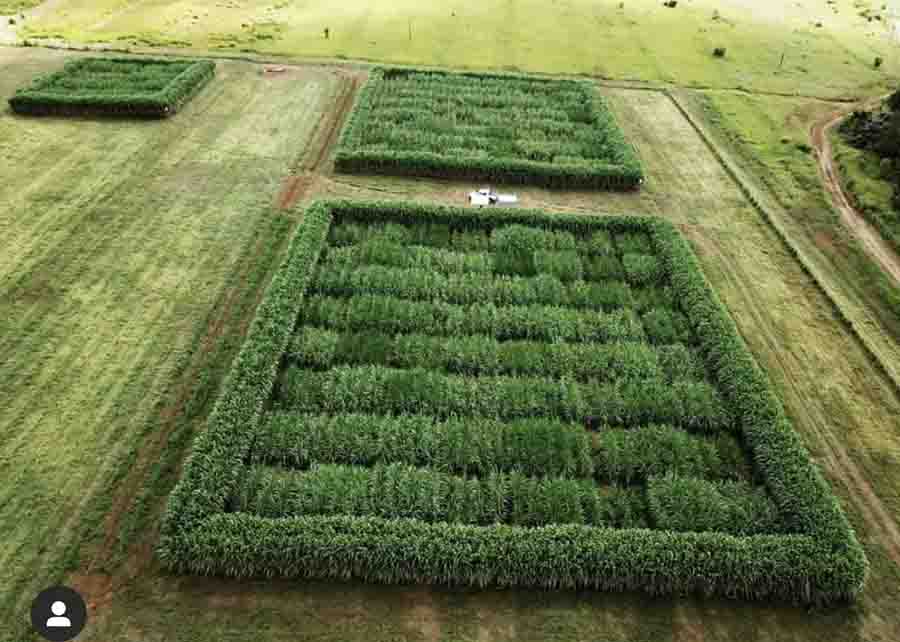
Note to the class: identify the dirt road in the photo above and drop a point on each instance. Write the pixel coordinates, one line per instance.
(871, 240)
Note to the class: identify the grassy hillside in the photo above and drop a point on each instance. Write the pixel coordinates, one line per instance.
(828, 48)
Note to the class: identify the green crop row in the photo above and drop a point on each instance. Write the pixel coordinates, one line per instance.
(398, 491)
(565, 137)
(688, 504)
(475, 355)
(530, 322)
(510, 235)
(380, 390)
(474, 446)
(397, 255)
(479, 446)
(115, 87)
(415, 284)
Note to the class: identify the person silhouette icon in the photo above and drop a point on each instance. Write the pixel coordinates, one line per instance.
(58, 614)
(58, 621)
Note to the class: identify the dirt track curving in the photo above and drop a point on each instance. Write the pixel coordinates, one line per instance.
(873, 243)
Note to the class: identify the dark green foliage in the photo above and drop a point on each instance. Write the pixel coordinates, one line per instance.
(679, 362)
(535, 447)
(665, 326)
(530, 322)
(629, 455)
(604, 267)
(599, 243)
(379, 390)
(481, 355)
(689, 504)
(467, 288)
(641, 269)
(509, 129)
(140, 87)
(396, 255)
(522, 238)
(633, 243)
(565, 266)
(879, 132)
(398, 491)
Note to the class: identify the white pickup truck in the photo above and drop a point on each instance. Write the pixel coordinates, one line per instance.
(486, 196)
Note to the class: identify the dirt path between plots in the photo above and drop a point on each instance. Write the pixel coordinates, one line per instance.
(314, 164)
(814, 418)
(871, 240)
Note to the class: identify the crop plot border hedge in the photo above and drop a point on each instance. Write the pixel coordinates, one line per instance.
(351, 159)
(37, 101)
(820, 560)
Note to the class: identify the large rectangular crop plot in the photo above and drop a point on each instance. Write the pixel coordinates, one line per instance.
(510, 129)
(141, 87)
(432, 394)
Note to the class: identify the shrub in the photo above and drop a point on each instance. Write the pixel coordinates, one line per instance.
(719, 52)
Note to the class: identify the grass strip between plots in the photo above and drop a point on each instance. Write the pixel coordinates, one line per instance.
(810, 554)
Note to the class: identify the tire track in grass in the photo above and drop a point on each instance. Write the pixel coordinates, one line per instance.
(814, 419)
(328, 129)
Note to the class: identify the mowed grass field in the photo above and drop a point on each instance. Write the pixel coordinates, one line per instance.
(845, 409)
(808, 47)
(132, 254)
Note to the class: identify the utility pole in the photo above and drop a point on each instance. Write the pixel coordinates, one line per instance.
(410, 29)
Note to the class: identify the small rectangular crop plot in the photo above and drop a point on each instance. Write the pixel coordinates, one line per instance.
(508, 129)
(432, 394)
(115, 87)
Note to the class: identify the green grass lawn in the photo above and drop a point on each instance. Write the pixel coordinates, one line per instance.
(639, 39)
(126, 248)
